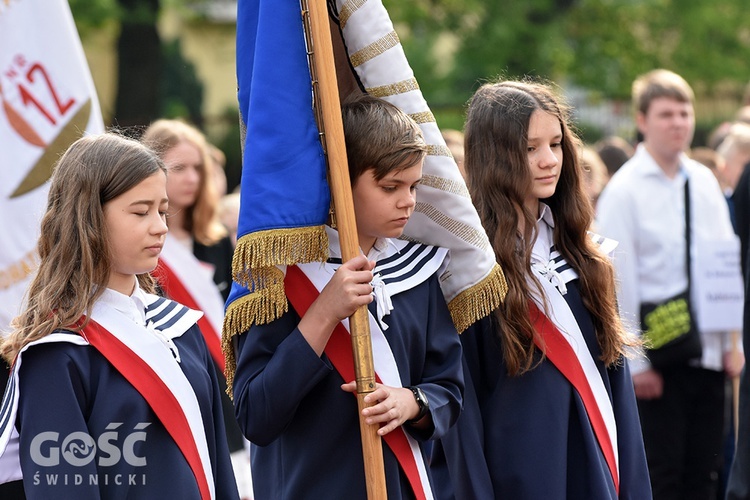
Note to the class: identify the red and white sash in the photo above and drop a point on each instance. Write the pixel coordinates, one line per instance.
(303, 284)
(149, 365)
(184, 279)
(566, 348)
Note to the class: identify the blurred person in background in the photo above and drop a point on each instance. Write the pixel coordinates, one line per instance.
(680, 384)
(595, 174)
(454, 139)
(614, 152)
(197, 255)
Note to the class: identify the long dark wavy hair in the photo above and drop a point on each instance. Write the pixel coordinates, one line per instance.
(497, 166)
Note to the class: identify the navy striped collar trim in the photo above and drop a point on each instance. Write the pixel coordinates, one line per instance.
(412, 254)
(163, 313)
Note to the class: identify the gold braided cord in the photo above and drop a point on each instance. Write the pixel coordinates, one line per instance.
(468, 233)
(263, 249)
(423, 117)
(401, 87)
(348, 9)
(447, 185)
(436, 150)
(374, 49)
(479, 300)
(259, 307)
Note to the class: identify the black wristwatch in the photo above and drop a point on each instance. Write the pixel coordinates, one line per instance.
(424, 405)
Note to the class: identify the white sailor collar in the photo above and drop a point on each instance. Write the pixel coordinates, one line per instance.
(545, 215)
(166, 319)
(400, 265)
(170, 318)
(546, 261)
(544, 231)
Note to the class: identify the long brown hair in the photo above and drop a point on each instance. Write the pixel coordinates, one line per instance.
(499, 179)
(203, 217)
(74, 249)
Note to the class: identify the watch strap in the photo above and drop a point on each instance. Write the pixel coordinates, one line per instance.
(421, 399)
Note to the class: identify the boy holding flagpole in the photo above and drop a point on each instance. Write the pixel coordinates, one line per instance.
(293, 374)
(285, 202)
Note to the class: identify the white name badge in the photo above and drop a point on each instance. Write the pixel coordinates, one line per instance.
(717, 284)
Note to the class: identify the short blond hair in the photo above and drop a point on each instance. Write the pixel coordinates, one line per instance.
(660, 83)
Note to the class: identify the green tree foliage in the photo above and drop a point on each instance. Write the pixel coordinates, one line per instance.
(89, 14)
(599, 44)
(613, 41)
(602, 45)
(481, 39)
(154, 79)
(182, 90)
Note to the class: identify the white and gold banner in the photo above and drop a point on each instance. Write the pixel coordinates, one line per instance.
(47, 101)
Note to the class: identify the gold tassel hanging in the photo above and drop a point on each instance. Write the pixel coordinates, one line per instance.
(478, 301)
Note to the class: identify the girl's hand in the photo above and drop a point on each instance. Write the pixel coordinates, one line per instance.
(394, 406)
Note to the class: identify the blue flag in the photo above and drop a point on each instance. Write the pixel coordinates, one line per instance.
(284, 198)
(284, 192)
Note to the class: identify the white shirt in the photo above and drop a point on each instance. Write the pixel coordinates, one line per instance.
(644, 210)
(132, 306)
(380, 248)
(546, 261)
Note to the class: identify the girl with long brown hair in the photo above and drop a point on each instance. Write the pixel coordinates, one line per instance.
(113, 393)
(549, 398)
(193, 217)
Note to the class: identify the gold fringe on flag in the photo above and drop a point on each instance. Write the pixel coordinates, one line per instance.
(259, 307)
(254, 267)
(479, 300)
(277, 247)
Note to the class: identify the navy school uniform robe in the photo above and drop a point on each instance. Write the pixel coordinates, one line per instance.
(528, 437)
(75, 389)
(304, 429)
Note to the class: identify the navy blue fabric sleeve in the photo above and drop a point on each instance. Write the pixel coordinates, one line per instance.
(212, 410)
(633, 465)
(457, 461)
(276, 369)
(57, 410)
(439, 373)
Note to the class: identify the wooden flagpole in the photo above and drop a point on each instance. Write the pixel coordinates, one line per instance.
(324, 72)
